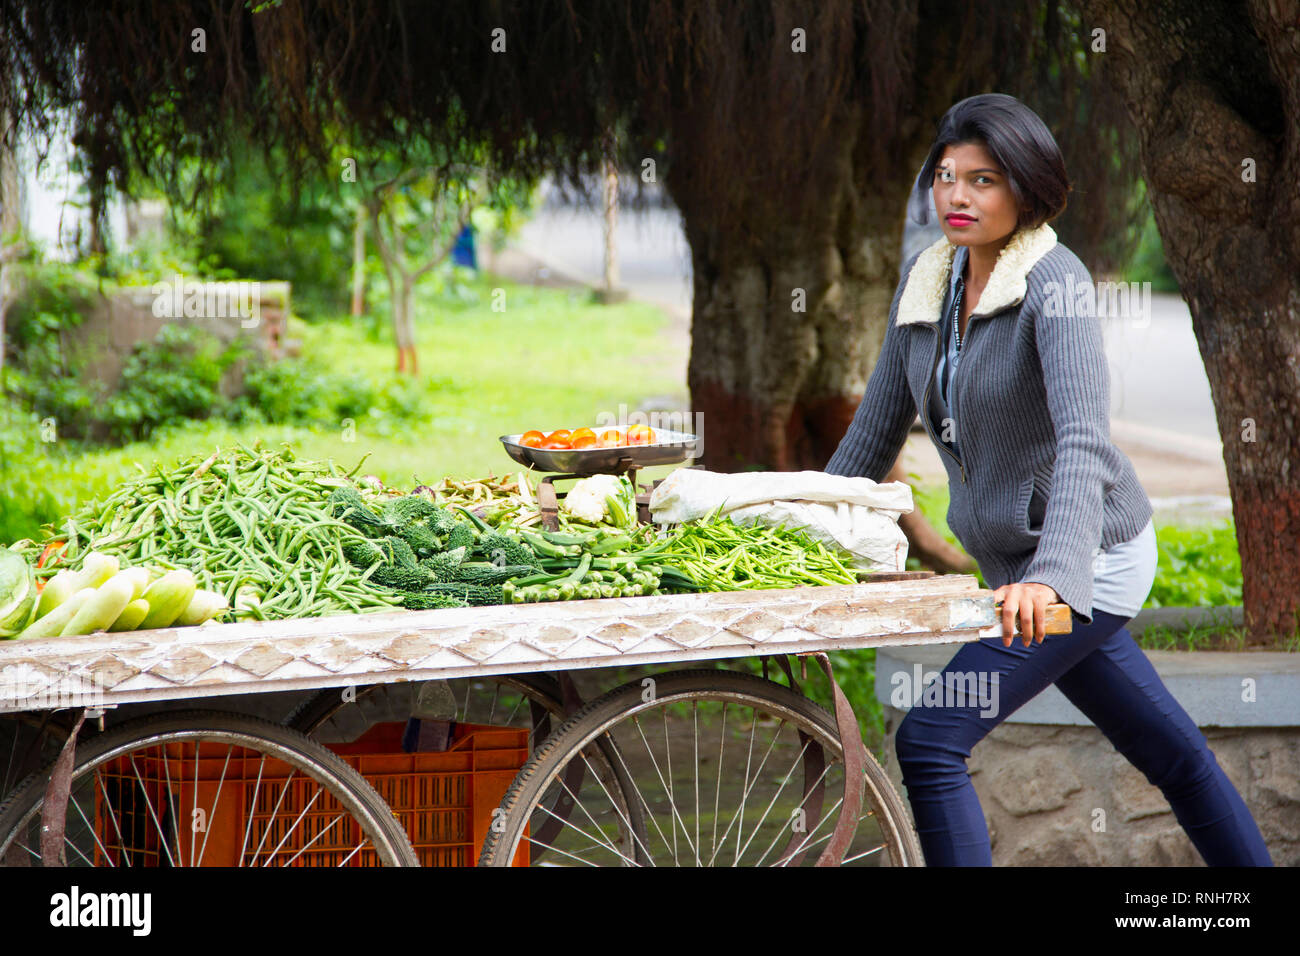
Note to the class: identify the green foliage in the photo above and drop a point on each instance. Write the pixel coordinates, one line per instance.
(254, 227)
(307, 392)
(172, 379)
(1198, 566)
(1148, 263)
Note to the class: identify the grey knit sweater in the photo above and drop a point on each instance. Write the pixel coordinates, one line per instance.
(1039, 485)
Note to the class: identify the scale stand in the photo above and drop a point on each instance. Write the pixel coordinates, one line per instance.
(548, 499)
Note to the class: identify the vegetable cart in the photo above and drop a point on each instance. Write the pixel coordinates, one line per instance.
(693, 766)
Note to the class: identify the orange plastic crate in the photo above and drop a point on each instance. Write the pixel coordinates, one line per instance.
(444, 800)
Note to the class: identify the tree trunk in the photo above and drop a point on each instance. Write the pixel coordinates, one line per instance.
(359, 262)
(404, 325)
(11, 245)
(786, 329)
(1208, 93)
(788, 323)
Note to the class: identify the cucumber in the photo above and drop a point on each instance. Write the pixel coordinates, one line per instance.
(131, 616)
(137, 578)
(57, 590)
(101, 610)
(53, 623)
(202, 607)
(168, 597)
(96, 569)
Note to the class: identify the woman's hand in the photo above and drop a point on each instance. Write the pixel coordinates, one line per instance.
(1028, 601)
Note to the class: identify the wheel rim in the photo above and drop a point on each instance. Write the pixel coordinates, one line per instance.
(780, 811)
(161, 799)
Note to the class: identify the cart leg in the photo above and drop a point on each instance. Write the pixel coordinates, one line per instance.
(54, 811)
(851, 739)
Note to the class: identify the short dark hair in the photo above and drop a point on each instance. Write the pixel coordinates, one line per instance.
(1021, 144)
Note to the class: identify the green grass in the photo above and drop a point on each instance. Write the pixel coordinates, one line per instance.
(551, 359)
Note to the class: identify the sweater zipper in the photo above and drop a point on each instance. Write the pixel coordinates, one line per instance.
(926, 402)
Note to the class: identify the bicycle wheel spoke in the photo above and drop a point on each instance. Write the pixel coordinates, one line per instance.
(676, 817)
(717, 794)
(89, 827)
(112, 815)
(162, 837)
(806, 845)
(194, 801)
(576, 829)
(672, 799)
(212, 813)
(749, 761)
(776, 796)
(614, 803)
(873, 850)
(323, 831)
(586, 813)
(284, 792)
(555, 849)
(695, 719)
(171, 799)
(77, 849)
(748, 788)
(289, 830)
(808, 791)
(252, 806)
(355, 850)
(514, 711)
(645, 804)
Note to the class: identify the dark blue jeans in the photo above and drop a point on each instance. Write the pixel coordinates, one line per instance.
(1103, 672)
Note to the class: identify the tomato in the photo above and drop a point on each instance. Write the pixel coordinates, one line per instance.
(640, 435)
(582, 433)
(560, 434)
(532, 438)
(50, 548)
(611, 438)
(584, 441)
(563, 444)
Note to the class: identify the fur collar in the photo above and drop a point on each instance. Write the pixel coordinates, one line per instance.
(927, 283)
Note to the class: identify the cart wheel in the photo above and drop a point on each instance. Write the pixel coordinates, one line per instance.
(524, 700)
(201, 788)
(728, 769)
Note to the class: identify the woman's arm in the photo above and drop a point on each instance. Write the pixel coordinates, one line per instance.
(879, 428)
(1076, 377)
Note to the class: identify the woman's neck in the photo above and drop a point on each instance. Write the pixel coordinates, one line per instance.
(980, 261)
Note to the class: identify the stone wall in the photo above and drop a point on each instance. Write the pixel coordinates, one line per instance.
(1056, 793)
(122, 320)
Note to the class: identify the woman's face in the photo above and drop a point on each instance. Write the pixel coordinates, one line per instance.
(973, 198)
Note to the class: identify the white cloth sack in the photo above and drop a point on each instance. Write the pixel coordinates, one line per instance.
(858, 514)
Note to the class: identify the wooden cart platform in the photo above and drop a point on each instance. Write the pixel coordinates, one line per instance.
(173, 663)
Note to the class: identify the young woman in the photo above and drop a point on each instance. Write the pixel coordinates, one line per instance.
(993, 336)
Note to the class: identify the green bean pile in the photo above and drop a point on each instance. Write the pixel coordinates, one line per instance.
(723, 556)
(250, 524)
